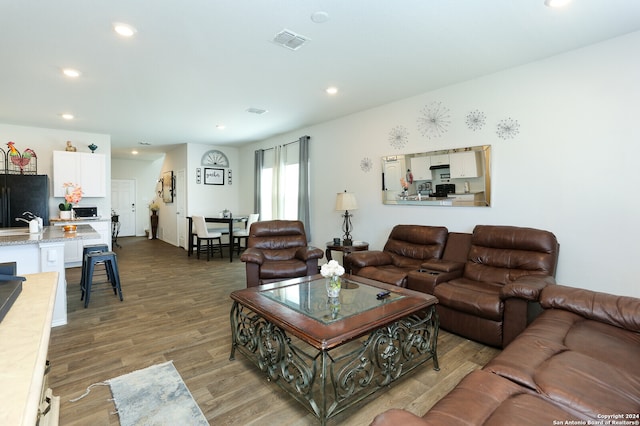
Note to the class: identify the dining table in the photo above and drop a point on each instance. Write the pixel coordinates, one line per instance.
(230, 220)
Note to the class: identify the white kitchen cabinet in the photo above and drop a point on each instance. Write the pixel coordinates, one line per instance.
(85, 169)
(73, 248)
(439, 160)
(465, 165)
(420, 168)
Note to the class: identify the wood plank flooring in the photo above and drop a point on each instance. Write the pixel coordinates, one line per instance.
(177, 308)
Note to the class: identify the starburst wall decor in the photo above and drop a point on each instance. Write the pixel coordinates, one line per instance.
(508, 128)
(398, 137)
(476, 120)
(434, 120)
(366, 164)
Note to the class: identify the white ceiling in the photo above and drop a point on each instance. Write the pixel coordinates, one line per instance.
(198, 63)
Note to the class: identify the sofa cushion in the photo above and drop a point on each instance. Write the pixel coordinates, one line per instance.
(291, 268)
(501, 254)
(482, 398)
(481, 299)
(588, 385)
(387, 274)
(416, 242)
(593, 359)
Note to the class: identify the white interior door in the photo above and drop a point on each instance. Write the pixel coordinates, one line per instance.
(181, 203)
(123, 202)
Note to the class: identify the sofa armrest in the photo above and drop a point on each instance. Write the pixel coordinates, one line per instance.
(308, 253)
(527, 287)
(252, 255)
(361, 259)
(441, 265)
(619, 311)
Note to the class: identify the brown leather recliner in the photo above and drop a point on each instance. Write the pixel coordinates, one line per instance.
(277, 250)
(497, 295)
(406, 249)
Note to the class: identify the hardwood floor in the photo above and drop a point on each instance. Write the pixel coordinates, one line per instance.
(177, 308)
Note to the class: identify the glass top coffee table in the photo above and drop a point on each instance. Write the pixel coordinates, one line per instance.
(330, 353)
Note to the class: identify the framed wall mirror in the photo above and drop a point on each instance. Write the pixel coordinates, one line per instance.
(167, 187)
(459, 177)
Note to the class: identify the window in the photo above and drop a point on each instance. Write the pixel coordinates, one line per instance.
(279, 183)
(282, 182)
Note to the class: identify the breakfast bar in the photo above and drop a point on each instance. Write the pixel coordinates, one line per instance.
(43, 252)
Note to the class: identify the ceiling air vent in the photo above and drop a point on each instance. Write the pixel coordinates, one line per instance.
(289, 39)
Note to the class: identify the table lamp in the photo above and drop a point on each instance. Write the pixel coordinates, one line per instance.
(346, 201)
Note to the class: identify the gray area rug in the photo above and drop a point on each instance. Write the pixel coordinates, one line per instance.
(155, 395)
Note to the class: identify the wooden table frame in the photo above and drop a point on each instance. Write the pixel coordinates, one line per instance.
(361, 246)
(229, 220)
(330, 367)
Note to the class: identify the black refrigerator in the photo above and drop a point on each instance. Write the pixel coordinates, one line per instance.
(23, 193)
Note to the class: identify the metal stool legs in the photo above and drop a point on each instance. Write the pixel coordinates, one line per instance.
(111, 265)
(92, 248)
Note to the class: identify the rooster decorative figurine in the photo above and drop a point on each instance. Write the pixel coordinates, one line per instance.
(20, 160)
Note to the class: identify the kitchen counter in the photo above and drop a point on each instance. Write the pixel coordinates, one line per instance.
(44, 252)
(57, 221)
(21, 236)
(24, 337)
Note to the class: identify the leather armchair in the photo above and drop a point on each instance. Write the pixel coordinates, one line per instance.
(407, 247)
(497, 295)
(277, 250)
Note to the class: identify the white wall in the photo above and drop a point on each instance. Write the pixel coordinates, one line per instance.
(44, 141)
(572, 169)
(209, 200)
(145, 174)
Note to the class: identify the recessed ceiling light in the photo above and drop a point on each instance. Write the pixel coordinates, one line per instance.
(332, 90)
(125, 30)
(556, 3)
(134, 152)
(70, 72)
(319, 17)
(67, 116)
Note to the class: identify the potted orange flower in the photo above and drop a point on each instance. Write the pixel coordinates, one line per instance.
(73, 195)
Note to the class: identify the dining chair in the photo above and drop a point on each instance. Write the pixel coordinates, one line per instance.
(243, 234)
(203, 234)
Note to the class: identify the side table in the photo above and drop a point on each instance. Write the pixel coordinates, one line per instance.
(356, 246)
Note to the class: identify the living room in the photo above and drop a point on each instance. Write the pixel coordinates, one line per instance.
(567, 165)
(569, 170)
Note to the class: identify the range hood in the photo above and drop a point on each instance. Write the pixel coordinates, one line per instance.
(439, 166)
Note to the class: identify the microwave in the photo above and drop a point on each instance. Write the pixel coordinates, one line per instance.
(85, 212)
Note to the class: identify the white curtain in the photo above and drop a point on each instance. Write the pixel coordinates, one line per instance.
(278, 182)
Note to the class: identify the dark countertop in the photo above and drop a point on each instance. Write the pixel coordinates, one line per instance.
(21, 236)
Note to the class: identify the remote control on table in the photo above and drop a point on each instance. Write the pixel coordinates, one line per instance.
(383, 294)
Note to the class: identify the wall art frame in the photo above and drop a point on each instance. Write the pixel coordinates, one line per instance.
(213, 176)
(167, 186)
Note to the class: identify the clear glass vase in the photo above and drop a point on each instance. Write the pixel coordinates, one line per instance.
(333, 286)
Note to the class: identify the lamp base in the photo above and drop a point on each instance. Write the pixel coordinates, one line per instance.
(346, 242)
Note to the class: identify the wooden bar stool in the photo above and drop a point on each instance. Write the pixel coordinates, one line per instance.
(111, 264)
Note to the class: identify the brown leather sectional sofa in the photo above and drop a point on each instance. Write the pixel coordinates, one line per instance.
(577, 363)
(487, 283)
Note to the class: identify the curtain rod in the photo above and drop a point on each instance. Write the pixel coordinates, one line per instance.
(288, 143)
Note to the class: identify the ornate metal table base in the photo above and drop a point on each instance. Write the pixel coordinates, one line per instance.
(329, 381)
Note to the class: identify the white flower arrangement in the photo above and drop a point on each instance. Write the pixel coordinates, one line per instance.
(331, 269)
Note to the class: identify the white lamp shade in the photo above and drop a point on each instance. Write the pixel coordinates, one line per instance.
(346, 201)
